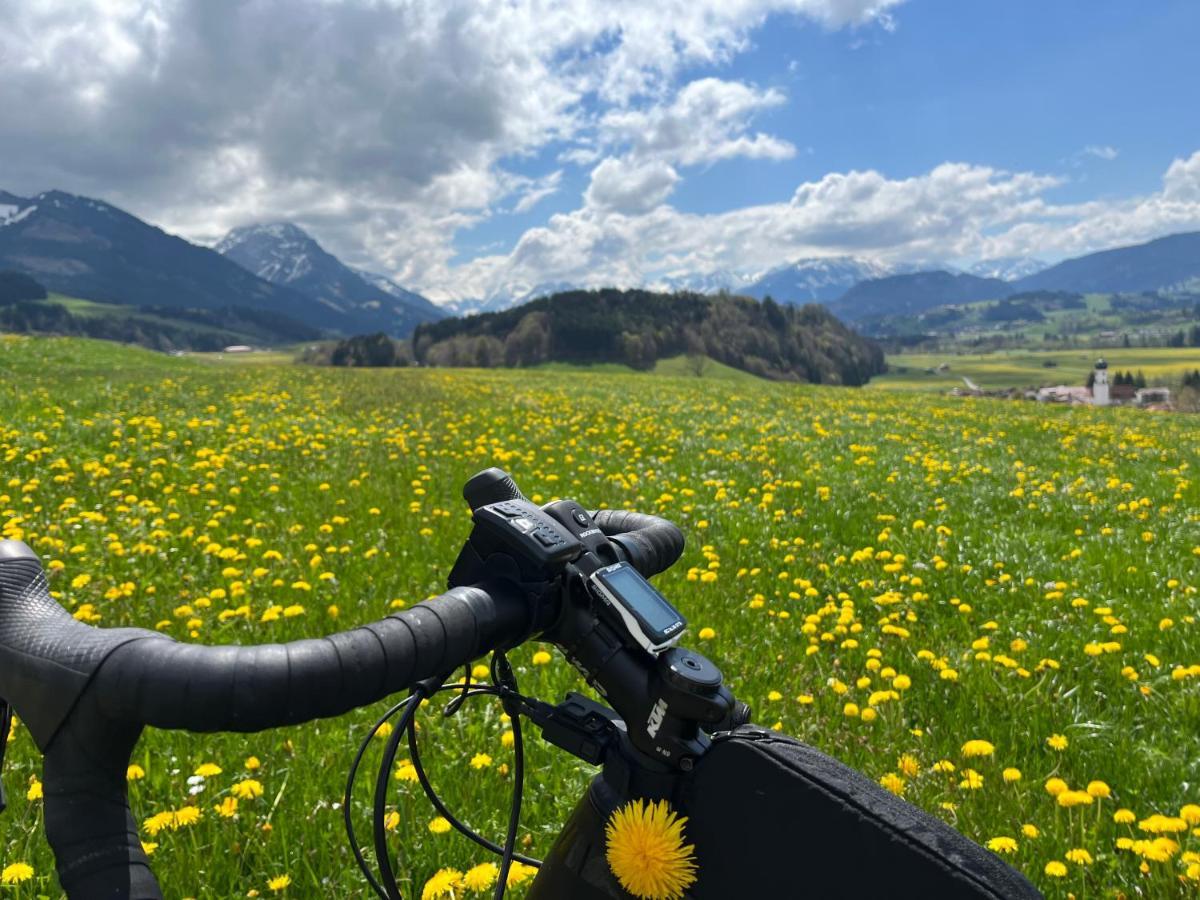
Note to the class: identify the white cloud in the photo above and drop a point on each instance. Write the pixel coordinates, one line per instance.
(954, 211)
(384, 125)
(630, 186)
(707, 120)
(1102, 151)
(537, 190)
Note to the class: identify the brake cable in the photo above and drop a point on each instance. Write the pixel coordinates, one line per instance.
(504, 687)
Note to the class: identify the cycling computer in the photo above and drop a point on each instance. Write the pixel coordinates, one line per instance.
(650, 619)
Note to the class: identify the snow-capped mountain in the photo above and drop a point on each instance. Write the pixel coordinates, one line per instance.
(284, 254)
(1007, 268)
(87, 248)
(708, 283)
(13, 209)
(817, 280)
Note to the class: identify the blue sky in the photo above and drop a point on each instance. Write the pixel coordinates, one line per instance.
(475, 149)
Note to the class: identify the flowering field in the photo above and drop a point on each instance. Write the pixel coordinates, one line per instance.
(988, 607)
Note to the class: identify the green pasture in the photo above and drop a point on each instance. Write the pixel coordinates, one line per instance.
(1026, 368)
(991, 608)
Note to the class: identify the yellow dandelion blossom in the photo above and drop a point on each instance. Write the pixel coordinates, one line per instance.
(1124, 816)
(972, 780)
(439, 825)
(35, 789)
(208, 770)
(1055, 869)
(1055, 786)
(188, 815)
(893, 783)
(480, 761)
(247, 789)
(279, 883)
(542, 658)
(1030, 831)
(405, 771)
(1079, 856)
(1002, 844)
(1057, 742)
(252, 763)
(1011, 775)
(226, 808)
(978, 748)
(15, 873)
(158, 822)
(1099, 790)
(646, 853)
(135, 773)
(481, 877)
(443, 883)
(519, 873)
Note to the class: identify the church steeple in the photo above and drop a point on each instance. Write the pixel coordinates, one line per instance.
(1100, 384)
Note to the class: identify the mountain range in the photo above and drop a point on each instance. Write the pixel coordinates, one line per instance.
(90, 249)
(87, 248)
(285, 255)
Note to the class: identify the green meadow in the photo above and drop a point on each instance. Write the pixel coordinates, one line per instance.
(990, 608)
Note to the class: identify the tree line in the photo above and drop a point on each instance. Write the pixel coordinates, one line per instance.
(638, 327)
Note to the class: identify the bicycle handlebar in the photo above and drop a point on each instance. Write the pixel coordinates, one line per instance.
(85, 693)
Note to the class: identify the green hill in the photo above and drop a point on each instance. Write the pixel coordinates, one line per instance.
(158, 328)
(638, 328)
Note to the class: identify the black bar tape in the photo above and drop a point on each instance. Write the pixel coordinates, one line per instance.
(651, 544)
(166, 684)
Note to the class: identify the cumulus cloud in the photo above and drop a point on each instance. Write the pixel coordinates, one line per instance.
(1102, 151)
(707, 120)
(384, 125)
(953, 211)
(630, 186)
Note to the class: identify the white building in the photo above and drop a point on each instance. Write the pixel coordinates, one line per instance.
(1100, 384)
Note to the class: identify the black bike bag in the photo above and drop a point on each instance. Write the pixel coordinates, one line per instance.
(773, 817)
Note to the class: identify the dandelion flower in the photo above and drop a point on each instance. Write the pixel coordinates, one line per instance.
(1057, 742)
(1124, 816)
(1030, 831)
(893, 783)
(16, 873)
(541, 658)
(443, 883)
(1079, 856)
(519, 873)
(977, 748)
(208, 770)
(1011, 775)
(1099, 790)
(646, 853)
(481, 877)
(1055, 869)
(135, 773)
(972, 780)
(480, 761)
(279, 883)
(439, 825)
(1055, 786)
(1002, 845)
(247, 789)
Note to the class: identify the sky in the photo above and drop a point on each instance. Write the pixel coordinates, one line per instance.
(478, 149)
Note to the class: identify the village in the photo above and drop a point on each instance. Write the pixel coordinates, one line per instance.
(1098, 391)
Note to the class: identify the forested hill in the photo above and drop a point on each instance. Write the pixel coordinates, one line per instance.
(639, 327)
